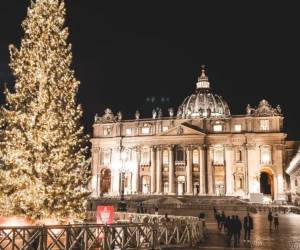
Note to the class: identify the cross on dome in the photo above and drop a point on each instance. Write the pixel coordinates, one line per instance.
(203, 82)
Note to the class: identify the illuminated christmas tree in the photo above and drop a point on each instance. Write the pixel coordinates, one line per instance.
(44, 171)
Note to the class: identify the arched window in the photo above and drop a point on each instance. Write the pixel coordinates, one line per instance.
(165, 157)
(218, 157)
(195, 156)
(240, 183)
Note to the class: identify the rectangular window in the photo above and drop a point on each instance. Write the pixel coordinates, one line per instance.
(165, 157)
(128, 131)
(237, 127)
(106, 157)
(265, 155)
(218, 156)
(165, 128)
(195, 156)
(264, 125)
(145, 156)
(217, 128)
(145, 130)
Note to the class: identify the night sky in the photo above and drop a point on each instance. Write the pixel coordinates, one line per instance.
(130, 50)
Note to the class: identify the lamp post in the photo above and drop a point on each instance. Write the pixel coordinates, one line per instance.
(123, 168)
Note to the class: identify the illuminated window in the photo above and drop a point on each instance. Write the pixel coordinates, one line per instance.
(107, 131)
(128, 131)
(217, 128)
(264, 125)
(237, 127)
(106, 157)
(265, 155)
(165, 157)
(218, 156)
(195, 156)
(165, 128)
(145, 130)
(145, 156)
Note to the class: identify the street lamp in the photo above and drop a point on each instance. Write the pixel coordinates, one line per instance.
(123, 168)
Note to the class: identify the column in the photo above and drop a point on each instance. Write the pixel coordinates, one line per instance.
(210, 180)
(153, 170)
(159, 170)
(228, 169)
(137, 170)
(202, 171)
(171, 171)
(189, 171)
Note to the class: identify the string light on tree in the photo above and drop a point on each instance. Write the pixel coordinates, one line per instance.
(44, 171)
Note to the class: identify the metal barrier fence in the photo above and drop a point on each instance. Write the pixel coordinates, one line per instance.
(148, 235)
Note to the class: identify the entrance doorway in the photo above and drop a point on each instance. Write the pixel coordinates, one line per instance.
(105, 183)
(267, 183)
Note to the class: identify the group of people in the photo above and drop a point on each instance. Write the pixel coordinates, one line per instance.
(233, 226)
(273, 220)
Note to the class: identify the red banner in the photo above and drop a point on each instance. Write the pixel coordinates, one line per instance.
(105, 215)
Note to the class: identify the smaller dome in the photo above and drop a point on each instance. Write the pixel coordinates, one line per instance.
(203, 103)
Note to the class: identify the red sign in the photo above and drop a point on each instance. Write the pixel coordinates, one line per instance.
(105, 215)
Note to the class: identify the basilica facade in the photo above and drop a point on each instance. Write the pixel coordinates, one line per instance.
(198, 149)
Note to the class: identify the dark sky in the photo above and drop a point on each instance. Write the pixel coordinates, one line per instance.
(128, 50)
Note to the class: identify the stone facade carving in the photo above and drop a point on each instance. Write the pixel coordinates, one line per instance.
(107, 117)
(264, 109)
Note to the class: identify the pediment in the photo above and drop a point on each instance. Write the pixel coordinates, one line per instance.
(182, 129)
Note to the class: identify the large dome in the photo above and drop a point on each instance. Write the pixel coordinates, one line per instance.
(203, 103)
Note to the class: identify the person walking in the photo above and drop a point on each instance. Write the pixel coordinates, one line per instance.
(276, 221)
(231, 229)
(218, 218)
(223, 221)
(248, 226)
(227, 225)
(270, 219)
(238, 228)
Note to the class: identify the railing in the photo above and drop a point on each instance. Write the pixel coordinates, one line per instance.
(153, 233)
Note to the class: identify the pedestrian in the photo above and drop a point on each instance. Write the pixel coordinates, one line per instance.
(223, 220)
(215, 212)
(270, 219)
(227, 225)
(248, 226)
(276, 221)
(231, 229)
(218, 217)
(238, 229)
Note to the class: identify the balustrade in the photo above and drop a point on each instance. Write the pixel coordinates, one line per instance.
(141, 231)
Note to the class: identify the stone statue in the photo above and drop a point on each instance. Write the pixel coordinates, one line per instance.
(154, 114)
(159, 113)
(96, 117)
(171, 112)
(279, 111)
(119, 115)
(137, 115)
(248, 109)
